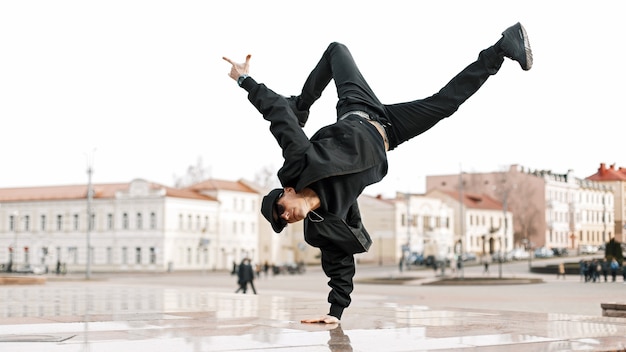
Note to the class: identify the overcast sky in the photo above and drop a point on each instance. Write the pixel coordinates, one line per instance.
(142, 84)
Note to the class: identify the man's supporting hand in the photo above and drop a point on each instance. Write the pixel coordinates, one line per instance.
(238, 69)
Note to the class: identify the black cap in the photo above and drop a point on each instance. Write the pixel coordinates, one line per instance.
(268, 209)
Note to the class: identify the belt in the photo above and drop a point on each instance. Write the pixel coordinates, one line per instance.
(379, 126)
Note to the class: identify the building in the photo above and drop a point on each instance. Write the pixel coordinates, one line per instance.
(130, 226)
(408, 223)
(483, 225)
(549, 209)
(615, 178)
(236, 232)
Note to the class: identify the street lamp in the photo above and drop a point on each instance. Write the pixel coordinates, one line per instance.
(13, 250)
(89, 212)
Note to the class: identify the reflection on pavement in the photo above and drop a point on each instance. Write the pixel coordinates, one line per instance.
(339, 342)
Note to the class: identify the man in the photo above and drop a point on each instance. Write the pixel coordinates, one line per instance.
(323, 176)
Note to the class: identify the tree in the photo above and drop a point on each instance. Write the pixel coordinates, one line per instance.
(195, 173)
(612, 250)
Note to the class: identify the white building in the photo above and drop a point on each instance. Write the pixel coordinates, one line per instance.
(483, 226)
(134, 226)
(405, 224)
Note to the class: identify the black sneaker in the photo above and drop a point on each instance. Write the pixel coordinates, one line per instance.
(515, 45)
(302, 115)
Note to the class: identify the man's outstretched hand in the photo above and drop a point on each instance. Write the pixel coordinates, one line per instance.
(326, 319)
(238, 69)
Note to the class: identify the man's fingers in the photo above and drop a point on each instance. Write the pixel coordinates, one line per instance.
(327, 319)
(234, 63)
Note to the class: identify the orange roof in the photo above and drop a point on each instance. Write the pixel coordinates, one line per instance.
(474, 201)
(608, 174)
(101, 191)
(217, 185)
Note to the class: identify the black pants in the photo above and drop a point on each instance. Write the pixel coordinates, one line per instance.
(402, 121)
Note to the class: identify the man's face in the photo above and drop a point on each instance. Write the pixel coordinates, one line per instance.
(289, 206)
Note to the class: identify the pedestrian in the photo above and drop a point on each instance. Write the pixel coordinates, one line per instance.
(245, 276)
(486, 260)
(604, 265)
(266, 268)
(561, 271)
(614, 268)
(234, 271)
(323, 176)
(582, 265)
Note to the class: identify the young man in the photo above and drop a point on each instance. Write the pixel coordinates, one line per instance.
(323, 176)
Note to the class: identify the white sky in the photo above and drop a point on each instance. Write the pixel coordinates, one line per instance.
(143, 84)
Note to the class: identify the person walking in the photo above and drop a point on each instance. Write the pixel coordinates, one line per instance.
(561, 271)
(486, 260)
(323, 176)
(245, 276)
(614, 266)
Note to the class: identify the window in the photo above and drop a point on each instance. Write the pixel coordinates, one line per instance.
(152, 221)
(110, 222)
(125, 221)
(26, 223)
(206, 223)
(139, 221)
(75, 222)
(180, 221)
(138, 255)
(43, 223)
(152, 255)
(109, 255)
(198, 222)
(59, 222)
(124, 255)
(12, 226)
(92, 221)
(189, 222)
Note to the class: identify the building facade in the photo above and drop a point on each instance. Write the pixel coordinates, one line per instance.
(483, 225)
(549, 209)
(615, 178)
(408, 223)
(131, 226)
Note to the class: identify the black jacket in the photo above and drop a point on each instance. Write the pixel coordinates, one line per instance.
(349, 151)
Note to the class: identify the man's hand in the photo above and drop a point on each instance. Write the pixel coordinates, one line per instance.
(238, 69)
(326, 319)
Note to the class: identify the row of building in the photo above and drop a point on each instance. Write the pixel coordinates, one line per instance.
(144, 226)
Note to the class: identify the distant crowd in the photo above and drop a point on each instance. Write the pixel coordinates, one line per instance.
(597, 270)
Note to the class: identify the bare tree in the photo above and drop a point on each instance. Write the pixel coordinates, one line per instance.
(194, 174)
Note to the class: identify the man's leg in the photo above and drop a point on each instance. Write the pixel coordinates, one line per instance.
(413, 118)
(352, 90)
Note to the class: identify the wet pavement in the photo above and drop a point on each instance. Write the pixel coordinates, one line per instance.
(201, 312)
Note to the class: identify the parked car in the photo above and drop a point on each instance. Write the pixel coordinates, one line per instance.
(518, 254)
(543, 252)
(500, 257)
(560, 252)
(588, 249)
(468, 257)
(416, 259)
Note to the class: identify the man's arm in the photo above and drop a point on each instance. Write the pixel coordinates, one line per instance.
(339, 268)
(275, 109)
